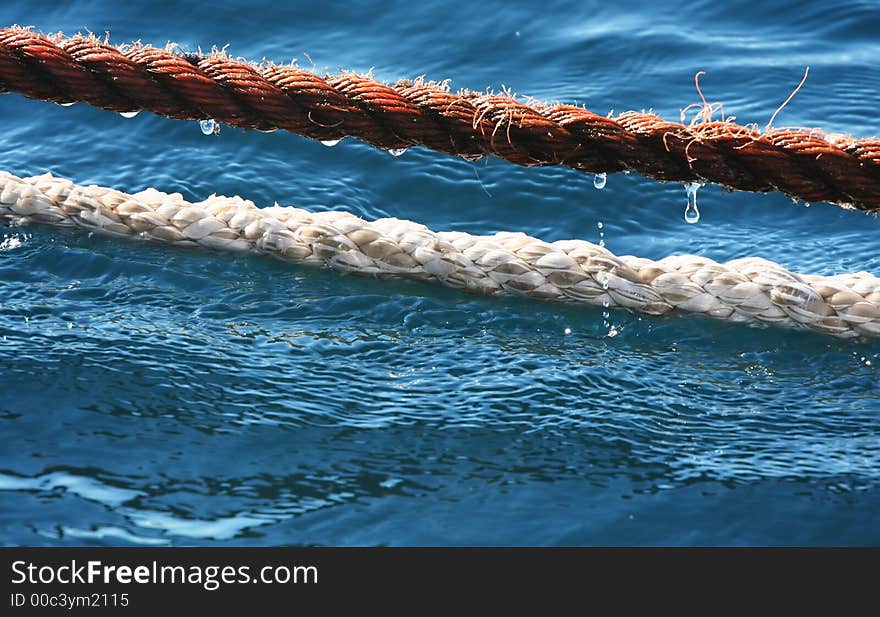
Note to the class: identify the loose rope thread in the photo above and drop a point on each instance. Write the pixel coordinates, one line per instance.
(804, 164)
(743, 290)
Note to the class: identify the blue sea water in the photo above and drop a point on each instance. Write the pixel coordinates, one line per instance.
(151, 396)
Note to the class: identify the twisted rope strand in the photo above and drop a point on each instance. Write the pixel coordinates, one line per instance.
(750, 290)
(802, 164)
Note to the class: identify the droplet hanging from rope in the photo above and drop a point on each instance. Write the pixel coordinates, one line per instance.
(209, 127)
(691, 211)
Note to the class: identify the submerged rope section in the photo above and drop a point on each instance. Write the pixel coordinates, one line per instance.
(743, 290)
(804, 164)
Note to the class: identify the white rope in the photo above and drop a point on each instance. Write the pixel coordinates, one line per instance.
(743, 290)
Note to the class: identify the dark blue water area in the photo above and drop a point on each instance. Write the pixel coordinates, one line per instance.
(156, 396)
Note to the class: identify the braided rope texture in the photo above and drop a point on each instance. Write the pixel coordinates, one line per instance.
(743, 290)
(804, 164)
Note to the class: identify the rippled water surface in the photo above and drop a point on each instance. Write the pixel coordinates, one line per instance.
(159, 397)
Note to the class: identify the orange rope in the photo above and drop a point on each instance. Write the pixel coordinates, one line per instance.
(803, 164)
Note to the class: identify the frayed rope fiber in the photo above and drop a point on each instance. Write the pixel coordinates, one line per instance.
(803, 164)
(750, 290)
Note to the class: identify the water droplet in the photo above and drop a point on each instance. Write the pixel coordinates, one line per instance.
(67, 104)
(331, 142)
(599, 180)
(129, 114)
(691, 212)
(567, 331)
(397, 151)
(600, 224)
(613, 331)
(209, 127)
